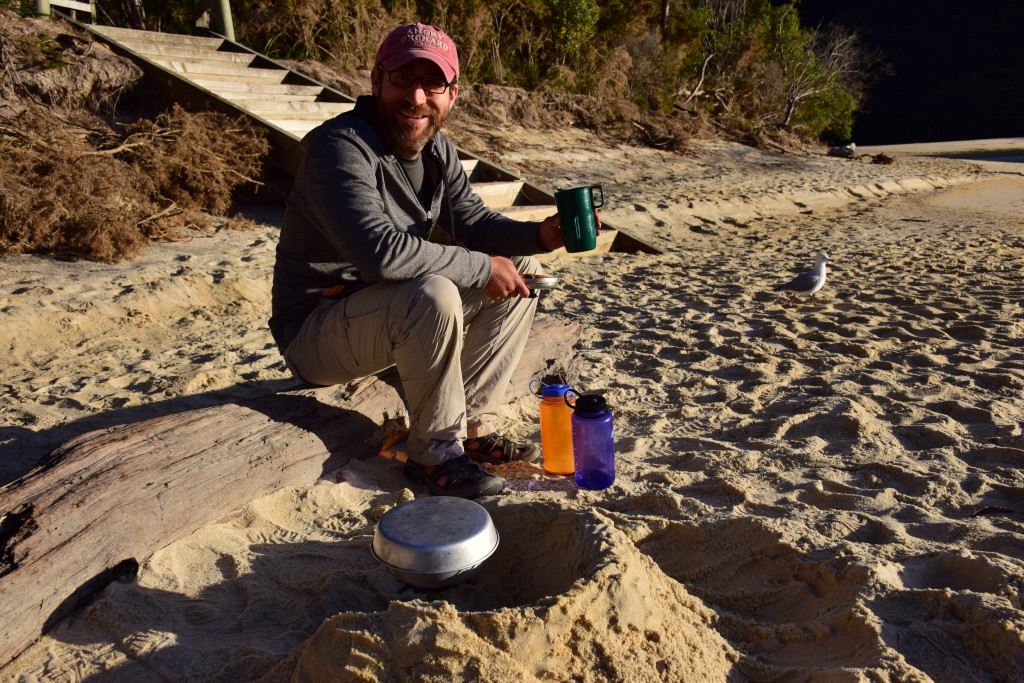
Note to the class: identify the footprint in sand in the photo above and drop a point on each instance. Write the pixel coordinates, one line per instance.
(794, 611)
(922, 437)
(994, 457)
(946, 600)
(955, 572)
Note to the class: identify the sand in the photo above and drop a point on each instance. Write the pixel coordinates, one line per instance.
(828, 493)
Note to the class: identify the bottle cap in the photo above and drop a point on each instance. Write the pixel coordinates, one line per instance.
(591, 404)
(555, 390)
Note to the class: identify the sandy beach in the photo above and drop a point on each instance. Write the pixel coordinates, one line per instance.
(826, 492)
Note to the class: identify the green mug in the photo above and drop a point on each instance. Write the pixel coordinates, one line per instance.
(579, 225)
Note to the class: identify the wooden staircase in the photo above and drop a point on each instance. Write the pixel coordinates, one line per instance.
(214, 73)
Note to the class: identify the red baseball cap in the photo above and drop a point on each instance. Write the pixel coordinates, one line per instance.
(416, 41)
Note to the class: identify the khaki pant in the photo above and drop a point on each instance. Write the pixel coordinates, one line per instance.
(454, 348)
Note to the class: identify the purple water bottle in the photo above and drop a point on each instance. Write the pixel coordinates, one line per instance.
(593, 442)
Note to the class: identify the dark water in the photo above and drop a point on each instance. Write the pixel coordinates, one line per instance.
(1014, 156)
(945, 69)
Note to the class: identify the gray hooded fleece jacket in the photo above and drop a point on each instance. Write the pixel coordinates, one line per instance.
(353, 219)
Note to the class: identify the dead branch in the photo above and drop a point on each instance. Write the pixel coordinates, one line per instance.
(32, 140)
(699, 88)
(113, 151)
(246, 178)
(172, 210)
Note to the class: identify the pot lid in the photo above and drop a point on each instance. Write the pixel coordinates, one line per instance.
(436, 534)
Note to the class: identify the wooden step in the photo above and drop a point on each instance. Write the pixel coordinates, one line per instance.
(117, 34)
(530, 212)
(296, 128)
(296, 108)
(500, 194)
(186, 52)
(222, 72)
(245, 102)
(212, 64)
(281, 91)
(294, 115)
(604, 245)
(468, 165)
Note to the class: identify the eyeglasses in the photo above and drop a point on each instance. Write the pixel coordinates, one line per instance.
(434, 86)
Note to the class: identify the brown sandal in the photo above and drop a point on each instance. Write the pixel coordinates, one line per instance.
(483, 448)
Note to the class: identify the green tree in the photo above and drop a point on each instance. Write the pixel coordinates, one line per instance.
(575, 23)
(751, 64)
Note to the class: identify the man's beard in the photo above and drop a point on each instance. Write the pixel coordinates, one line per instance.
(408, 143)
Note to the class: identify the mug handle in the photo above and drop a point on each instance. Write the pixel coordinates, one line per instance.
(600, 189)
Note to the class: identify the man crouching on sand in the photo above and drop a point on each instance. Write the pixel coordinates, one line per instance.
(358, 286)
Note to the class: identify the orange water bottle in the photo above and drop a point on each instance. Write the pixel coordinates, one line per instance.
(555, 427)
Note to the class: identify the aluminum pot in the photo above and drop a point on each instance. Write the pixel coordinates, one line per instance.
(434, 543)
(541, 281)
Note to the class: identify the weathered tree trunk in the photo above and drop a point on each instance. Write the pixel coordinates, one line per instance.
(135, 14)
(107, 499)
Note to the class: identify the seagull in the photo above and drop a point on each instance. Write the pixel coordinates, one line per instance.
(807, 283)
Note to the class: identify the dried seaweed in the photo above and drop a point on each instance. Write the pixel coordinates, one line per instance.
(75, 183)
(72, 186)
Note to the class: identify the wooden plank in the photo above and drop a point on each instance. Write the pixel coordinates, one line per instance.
(245, 101)
(222, 71)
(72, 4)
(294, 116)
(115, 33)
(604, 244)
(530, 212)
(500, 194)
(209, 62)
(177, 51)
(253, 79)
(296, 128)
(246, 89)
(294, 107)
(109, 499)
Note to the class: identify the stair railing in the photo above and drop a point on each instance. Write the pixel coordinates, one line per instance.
(221, 12)
(73, 6)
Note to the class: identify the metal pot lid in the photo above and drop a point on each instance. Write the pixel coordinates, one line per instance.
(540, 281)
(436, 534)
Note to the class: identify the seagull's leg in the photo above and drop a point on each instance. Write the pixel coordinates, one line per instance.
(813, 301)
(792, 296)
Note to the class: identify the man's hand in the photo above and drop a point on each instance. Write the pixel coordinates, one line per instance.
(505, 280)
(550, 233)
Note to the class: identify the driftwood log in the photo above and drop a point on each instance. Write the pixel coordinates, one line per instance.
(108, 499)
